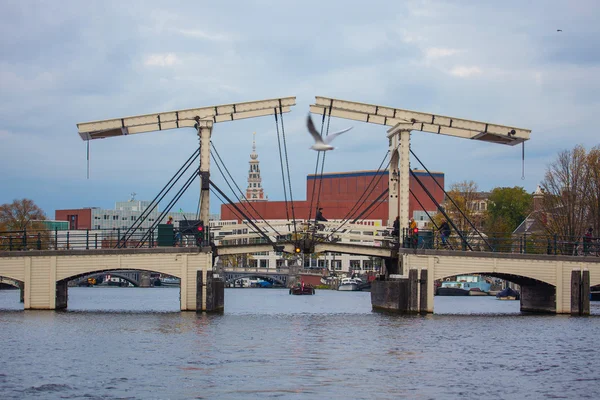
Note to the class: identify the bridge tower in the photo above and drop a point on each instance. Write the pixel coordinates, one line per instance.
(202, 119)
(402, 123)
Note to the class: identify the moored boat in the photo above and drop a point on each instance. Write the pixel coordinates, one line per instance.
(508, 294)
(350, 285)
(302, 289)
(464, 285)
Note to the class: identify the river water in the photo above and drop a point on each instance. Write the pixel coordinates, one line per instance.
(132, 343)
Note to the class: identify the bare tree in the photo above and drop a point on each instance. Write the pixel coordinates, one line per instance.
(20, 215)
(567, 185)
(593, 195)
(464, 194)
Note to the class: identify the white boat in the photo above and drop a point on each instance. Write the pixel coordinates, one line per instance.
(350, 284)
(170, 281)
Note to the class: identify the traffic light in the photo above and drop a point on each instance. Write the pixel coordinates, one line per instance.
(297, 250)
(415, 231)
(200, 233)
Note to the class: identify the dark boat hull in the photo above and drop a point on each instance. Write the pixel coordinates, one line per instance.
(448, 291)
(298, 291)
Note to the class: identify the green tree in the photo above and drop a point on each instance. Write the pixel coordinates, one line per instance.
(21, 214)
(507, 208)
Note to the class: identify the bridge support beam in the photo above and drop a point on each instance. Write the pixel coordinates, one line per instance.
(580, 292)
(204, 131)
(210, 292)
(145, 280)
(62, 295)
(538, 298)
(399, 175)
(404, 296)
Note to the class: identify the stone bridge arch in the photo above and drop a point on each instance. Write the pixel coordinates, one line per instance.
(113, 273)
(233, 276)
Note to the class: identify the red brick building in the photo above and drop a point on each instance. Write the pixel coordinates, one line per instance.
(340, 192)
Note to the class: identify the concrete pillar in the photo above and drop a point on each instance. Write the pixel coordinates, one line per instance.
(398, 195)
(215, 293)
(430, 282)
(585, 292)
(404, 178)
(580, 292)
(22, 292)
(413, 291)
(145, 279)
(210, 292)
(575, 292)
(539, 297)
(423, 286)
(62, 295)
(390, 295)
(204, 131)
(393, 179)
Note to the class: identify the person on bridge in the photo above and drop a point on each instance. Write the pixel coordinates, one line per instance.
(170, 221)
(320, 216)
(587, 241)
(444, 232)
(396, 227)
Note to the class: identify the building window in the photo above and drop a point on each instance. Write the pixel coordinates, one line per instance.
(354, 265)
(264, 263)
(105, 216)
(115, 217)
(336, 264)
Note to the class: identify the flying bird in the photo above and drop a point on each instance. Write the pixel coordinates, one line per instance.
(321, 144)
(559, 30)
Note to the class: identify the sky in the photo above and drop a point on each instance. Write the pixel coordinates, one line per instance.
(62, 63)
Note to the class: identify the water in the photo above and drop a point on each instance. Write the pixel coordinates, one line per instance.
(117, 343)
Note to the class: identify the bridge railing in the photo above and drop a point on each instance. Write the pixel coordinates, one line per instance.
(523, 243)
(361, 235)
(36, 239)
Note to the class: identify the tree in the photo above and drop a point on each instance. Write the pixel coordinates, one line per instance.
(20, 215)
(507, 208)
(464, 195)
(593, 196)
(568, 189)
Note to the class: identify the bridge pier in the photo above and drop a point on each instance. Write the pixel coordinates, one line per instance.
(580, 292)
(538, 298)
(403, 295)
(62, 295)
(210, 292)
(145, 279)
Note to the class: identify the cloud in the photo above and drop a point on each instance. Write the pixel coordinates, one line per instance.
(434, 53)
(60, 67)
(465, 72)
(161, 60)
(200, 34)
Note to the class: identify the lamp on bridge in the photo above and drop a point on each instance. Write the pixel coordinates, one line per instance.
(394, 177)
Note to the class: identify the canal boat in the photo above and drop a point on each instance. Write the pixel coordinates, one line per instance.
(350, 285)
(302, 289)
(508, 294)
(465, 285)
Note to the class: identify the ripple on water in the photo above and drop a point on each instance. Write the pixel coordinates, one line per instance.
(124, 343)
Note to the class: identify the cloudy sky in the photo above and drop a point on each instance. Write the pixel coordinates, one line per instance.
(64, 62)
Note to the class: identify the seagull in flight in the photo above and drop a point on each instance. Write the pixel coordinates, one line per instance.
(322, 144)
(559, 30)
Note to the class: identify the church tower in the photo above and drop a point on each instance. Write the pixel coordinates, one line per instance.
(254, 192)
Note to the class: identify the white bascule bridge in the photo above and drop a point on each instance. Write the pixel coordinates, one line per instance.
(549, 283)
